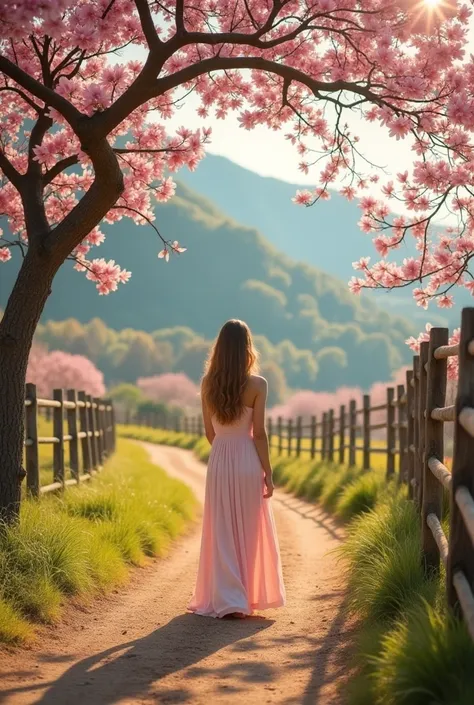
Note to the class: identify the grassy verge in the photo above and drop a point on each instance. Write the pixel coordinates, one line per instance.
(408, 651)
(84, 543)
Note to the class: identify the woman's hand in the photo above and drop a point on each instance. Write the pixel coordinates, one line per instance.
(269, 487)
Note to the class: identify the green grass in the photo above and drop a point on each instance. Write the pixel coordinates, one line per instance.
(426, 659)
(83, 543)
(408, 651)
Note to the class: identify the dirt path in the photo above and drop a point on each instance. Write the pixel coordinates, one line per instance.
(140, 646)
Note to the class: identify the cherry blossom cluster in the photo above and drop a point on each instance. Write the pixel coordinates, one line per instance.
(453, 361)
(296, 66)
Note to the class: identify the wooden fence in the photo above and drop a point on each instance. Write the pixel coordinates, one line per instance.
(413, 428)
(86, 424)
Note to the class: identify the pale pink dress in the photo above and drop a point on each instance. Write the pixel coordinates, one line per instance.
(239, 566)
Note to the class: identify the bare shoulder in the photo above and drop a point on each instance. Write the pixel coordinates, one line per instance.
(258, 383)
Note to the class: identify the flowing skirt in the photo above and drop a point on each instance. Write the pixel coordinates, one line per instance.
(239, 565)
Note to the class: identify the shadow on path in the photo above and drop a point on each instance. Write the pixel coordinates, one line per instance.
(131, 669)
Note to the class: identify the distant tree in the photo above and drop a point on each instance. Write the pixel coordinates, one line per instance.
(143, 357)
(276, 383)
(192, 359)
(60, 370)
(332, 363)
(172, 389)
(126, 396)
(178, 337)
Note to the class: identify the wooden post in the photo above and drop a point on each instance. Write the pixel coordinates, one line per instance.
(342, 433)
(200, 427)
(324, 436)
(402, 433)
(352, 432)
(416, 427)
(298, 436)
(331, 435)
(366, 432)
(424, 347)
(290, 435)
(185, 424)
(391, 434)
(313, 437)
(85, 440)
(434, 444)
(99, 429)
(280, 435)
(71, 415)
(461, 550)
(31, 451)
(92, 431)
(58, 432)
(270, 432)
(410, 462)
(114, 427)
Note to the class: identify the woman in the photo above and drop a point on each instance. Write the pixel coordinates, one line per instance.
(239, 567)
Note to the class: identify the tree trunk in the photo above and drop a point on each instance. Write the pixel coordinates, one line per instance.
(17, 329)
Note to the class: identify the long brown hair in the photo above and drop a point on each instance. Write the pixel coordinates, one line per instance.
(231, 361)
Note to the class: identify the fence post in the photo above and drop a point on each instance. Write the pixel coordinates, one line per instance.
(331, 435)
(416, 427)
(298, 436)
(352, 432)
(114, 429)
(402, 433)
(434, 444)
(31, 451)
(324, 436)
(98, 425)
(290, 434)
(71, 415)
(391, 433)
(313, 437)
(58, 431)
(461, 550)
(410, 462)
(270, 432)
(200, 427)
(85, 437)
(92, 431)
(366, 432)
(280, 435)
(342, 433)
(424, 348)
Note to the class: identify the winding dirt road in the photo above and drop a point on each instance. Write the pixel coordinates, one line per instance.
(140, 646)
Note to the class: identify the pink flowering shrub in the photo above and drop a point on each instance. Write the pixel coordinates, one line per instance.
(60, 370)
(173, 388)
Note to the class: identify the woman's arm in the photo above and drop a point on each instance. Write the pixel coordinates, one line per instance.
(208, 427)
(260, 434)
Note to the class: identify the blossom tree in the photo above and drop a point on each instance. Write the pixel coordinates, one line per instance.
(60, 370)
(83, 138)
(173, 388)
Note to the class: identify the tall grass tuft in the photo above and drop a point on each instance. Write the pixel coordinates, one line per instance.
(385, 573)
(427, 658)
(359, 496)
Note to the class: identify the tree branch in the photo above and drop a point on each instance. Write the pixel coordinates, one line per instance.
(58, 168)
(148, 26)
(10, 172)
(47, 95)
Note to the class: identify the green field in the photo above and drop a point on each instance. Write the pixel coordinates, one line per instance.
(83, 542)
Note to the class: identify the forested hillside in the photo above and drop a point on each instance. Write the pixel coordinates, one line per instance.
(231, 271)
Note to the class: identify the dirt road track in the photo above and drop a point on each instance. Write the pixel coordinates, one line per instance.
(140, 646)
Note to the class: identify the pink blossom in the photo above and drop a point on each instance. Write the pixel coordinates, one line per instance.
(303, 198)
(173, 388)
(5, 254)
(60, 370)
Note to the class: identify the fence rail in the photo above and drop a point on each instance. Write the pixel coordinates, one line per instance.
(91, 437)
(413, 430)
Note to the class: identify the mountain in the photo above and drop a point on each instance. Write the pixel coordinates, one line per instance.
(230, 270)
(325, 235)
